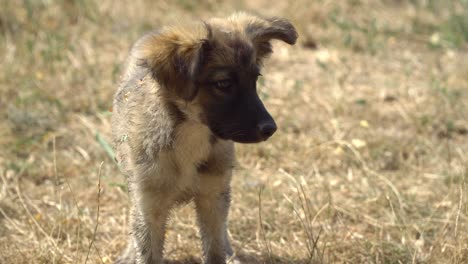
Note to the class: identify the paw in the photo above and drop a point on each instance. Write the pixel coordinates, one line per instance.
(233, 260)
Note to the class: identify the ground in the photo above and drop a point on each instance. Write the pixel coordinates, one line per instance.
(369, 164)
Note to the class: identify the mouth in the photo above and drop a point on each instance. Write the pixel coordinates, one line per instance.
(249, 137)
(247, 140)
(245, 131)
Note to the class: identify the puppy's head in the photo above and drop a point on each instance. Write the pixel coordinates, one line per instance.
(215, 66)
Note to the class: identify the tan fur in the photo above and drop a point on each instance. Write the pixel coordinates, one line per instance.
(161, 138)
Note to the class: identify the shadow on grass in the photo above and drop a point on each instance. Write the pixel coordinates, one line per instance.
(246, 259)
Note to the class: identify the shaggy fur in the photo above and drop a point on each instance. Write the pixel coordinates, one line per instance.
(188, 93)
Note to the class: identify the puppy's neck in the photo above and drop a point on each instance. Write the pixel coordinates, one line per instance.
(191, 110)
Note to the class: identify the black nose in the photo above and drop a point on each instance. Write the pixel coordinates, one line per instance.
(266, 129)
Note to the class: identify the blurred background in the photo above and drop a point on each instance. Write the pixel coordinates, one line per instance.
(369, 164)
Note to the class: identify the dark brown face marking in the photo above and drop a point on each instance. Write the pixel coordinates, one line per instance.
(244, 52)
(231, 106)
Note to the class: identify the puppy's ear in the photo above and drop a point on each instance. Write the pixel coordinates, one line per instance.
(262, 31)
(175, 56)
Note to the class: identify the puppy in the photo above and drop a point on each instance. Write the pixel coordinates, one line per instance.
(188, 93)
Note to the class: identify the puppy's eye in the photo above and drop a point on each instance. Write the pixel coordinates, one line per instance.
(223, 84)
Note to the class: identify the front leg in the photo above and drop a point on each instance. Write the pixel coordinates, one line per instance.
(212, 211)
(148, 224)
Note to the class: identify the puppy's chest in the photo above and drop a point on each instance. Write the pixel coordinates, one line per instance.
(191, 147)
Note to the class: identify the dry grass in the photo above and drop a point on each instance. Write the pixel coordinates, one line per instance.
(369, 165)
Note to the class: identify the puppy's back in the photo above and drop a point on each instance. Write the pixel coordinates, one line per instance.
(140, 118)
